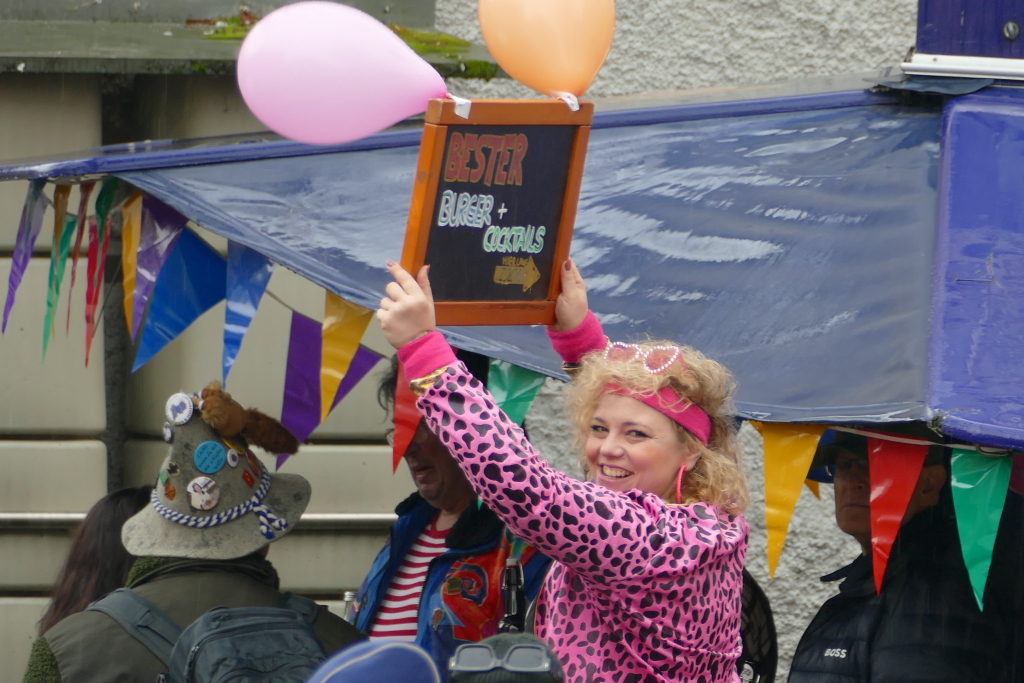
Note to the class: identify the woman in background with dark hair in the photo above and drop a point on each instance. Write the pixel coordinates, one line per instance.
(97, 562)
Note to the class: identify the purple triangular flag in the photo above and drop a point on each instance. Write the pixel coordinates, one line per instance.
(300, 409)
(248, 274)
(32, 213)
(161, 227)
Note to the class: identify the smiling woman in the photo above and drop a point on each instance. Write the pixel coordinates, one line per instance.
(647, 578)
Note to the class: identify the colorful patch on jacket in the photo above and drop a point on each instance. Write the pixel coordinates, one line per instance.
(473, 597)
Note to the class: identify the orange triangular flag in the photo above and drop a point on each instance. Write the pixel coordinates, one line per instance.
(131, 233)
(814, 486)
(343, 328)
(407, 418)
(893, 469)
(788, 452)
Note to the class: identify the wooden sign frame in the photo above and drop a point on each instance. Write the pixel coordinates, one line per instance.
(440, 117)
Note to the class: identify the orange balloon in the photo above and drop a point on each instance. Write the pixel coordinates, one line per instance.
(552, 46)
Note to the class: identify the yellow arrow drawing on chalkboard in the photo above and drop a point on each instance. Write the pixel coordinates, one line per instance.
(517, 271)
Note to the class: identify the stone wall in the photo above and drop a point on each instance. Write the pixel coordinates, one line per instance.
(680, 44)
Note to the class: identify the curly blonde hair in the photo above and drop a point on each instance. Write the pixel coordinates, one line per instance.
(716, 477)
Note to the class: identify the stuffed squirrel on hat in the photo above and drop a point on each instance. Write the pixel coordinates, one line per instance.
(228, 418)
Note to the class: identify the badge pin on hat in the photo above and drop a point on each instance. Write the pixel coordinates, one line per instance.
(179, 409)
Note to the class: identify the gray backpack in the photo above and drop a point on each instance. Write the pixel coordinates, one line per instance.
(236, 645)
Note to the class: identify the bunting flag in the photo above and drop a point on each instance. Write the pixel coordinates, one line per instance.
(788, 452)
(63, 231)
(514, 388)
(893, 470)
(343, 328)
(407, 418)
(131, 229)
(32, 213)
(191, 282)
(1017, 474)
(92, 287)
(160, 228)
(300, 408)
(99, 241)
(84, 192)
(109, 190)
(248, 274)
(814, 486)
(979, 492)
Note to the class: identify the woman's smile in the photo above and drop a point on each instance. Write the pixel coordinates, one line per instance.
(633, 446)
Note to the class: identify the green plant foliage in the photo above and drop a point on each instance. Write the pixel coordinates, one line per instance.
(426, 42)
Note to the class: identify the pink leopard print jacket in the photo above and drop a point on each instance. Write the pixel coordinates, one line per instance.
(641, 591)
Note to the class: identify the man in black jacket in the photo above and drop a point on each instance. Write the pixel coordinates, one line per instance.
(925, 626)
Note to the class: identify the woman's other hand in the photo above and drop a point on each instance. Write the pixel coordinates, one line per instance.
(407, 312)
(571, 305)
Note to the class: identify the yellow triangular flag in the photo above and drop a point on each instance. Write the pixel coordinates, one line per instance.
(814, 486)
(131, 234)
(344, 325)
(788, 452)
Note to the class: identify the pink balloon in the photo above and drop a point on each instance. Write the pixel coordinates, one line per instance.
(325, 73)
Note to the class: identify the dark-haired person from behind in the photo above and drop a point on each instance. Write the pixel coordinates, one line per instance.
(97, 562)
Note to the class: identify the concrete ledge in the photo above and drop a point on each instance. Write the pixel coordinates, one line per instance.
(52, 476)
(136, 47)
(310, 521)
(321, 563)
(324, 564)
(409, 12)
(32, 560)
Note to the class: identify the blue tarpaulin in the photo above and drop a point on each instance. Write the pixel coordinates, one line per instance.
(793, 240)
(795, 247)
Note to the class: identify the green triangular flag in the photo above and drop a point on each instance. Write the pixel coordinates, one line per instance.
(979, 491)
(513, 388)
(104, 203)
(58, 260)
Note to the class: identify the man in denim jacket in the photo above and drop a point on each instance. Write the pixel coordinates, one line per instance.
(438, 580)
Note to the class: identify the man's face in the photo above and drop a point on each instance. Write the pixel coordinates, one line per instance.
(435, 472)
(853, 496)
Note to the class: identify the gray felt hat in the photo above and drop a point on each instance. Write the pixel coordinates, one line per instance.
(213, 498)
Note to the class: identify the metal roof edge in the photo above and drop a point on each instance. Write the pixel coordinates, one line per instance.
(162, 153)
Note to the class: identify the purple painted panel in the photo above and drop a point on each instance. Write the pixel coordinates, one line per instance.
(976, 364)
(969, 27)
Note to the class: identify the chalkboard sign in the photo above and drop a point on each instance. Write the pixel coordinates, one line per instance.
(493, 207)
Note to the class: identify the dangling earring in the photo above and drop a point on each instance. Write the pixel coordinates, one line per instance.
(679, 484)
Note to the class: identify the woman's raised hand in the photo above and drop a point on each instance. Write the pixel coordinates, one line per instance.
(571, 305)
(407, 312)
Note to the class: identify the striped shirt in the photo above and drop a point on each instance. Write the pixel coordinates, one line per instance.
(400, 609)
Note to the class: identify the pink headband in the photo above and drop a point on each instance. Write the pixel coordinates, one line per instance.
(667, 402)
